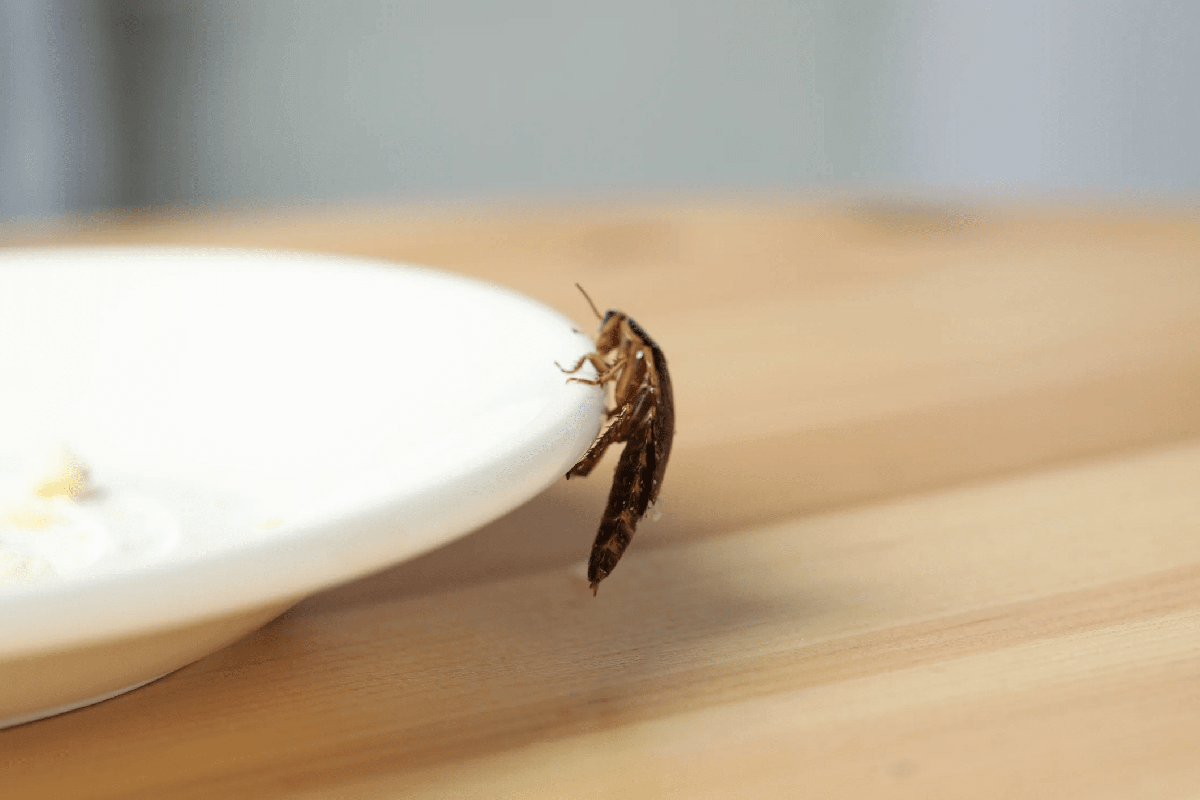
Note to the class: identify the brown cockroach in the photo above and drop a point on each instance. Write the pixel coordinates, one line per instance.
(641, 413)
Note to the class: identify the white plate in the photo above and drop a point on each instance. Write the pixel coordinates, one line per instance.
(259, 426)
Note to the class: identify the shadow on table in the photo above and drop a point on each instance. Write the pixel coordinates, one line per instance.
(438, 661)
(553, 530)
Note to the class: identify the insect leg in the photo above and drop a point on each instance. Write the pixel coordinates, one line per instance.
(617, 431)
(614, 433)
(594, 358)
(599, 380)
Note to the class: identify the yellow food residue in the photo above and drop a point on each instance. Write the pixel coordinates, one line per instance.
(61, 474)
(31, 516)
(16, 568)
(39, 507)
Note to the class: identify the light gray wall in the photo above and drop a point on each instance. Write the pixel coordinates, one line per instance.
(1070, 94)
(220, 100)
(58, 124)
(353, 98)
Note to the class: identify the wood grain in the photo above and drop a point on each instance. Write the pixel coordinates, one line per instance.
(932, 529)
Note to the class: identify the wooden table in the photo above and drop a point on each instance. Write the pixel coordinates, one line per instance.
(931, 529)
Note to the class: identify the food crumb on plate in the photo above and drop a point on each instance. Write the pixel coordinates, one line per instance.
(17, 568)
(60, 474)
(59, 477)
(38, 505)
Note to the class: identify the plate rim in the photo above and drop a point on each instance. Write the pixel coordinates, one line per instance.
(122, 603)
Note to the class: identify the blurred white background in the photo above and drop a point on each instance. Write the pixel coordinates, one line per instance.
(133, 103)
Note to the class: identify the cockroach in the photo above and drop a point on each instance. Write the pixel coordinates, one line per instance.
(640, 413)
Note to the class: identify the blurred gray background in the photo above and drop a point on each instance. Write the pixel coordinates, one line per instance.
(121, 104)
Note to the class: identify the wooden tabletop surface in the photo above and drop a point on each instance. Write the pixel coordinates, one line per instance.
(931, 529)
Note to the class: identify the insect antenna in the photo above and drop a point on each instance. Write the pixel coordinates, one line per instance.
(590, 303)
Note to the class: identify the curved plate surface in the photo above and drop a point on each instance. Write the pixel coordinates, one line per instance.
(258, 426)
